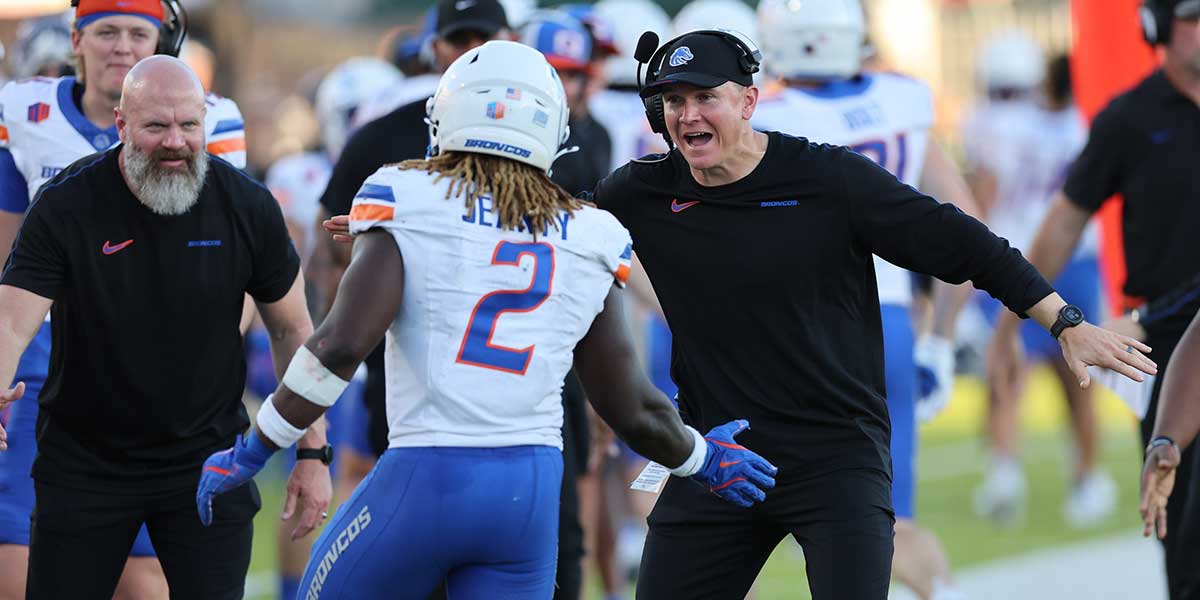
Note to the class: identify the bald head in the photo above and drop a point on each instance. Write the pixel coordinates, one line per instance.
(161, 78)
(161, 121)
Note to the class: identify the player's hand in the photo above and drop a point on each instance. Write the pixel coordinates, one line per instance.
(8, 397)
(227, 469)
(1158, 479)
(934, 356)
(1085, 344)
(339, 227)
(310, 488)
(733, 472)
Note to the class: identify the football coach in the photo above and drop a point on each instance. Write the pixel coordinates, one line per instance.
(759, 247)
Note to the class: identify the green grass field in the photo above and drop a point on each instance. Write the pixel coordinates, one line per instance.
(951, 464)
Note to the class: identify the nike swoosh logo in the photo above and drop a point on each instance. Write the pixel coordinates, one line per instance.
(677, 207)
(724, 464)
(110, 249)
(464, 4)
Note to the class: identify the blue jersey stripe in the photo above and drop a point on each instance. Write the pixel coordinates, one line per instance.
(228, 125)
(376, 192)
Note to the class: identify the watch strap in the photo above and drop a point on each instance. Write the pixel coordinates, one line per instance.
(323, 454)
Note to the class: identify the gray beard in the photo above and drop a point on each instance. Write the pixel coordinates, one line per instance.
(165, 191)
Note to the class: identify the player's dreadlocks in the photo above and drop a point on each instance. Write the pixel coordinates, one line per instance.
(522, 195)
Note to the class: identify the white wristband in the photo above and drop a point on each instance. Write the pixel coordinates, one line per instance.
(696, 460)
(311, 380)
(275, 427)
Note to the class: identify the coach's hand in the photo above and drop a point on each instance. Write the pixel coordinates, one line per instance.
(733, 472)
(339, 227)
(8, 397)
(1086, 344)
(225, 470)
(310, 488)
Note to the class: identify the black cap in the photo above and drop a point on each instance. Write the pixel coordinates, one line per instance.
(470, 15)
(1186, 9)
(701, 59)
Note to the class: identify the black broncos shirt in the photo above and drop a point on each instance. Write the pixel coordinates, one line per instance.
(146, 366)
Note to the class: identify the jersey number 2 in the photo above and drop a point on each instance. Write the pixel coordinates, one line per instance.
(477, 348)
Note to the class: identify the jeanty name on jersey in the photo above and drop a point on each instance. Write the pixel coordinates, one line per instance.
(478, 214)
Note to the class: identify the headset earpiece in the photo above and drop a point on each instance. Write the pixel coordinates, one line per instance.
(1155, 19)
(174, 28)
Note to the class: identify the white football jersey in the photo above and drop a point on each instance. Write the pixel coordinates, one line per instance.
(297, 181)
(623, 115)
(45, 132)
(405, 91)
(883, 116)
(490, 319)
(1029, 150)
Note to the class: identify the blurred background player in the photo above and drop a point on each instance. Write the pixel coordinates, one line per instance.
(413, 55)
(43, 47)
(45, 125)
(618, 107)
(815, 49)
(1019, 143)
(296, 181)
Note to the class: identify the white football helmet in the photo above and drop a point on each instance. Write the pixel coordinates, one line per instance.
(41, 43)
(811, 39)
(343, 90)
(628, 20)
(1011, 59)
(501, 98)
(717, 14)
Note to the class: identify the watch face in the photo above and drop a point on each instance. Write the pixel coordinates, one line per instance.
(1072, 315)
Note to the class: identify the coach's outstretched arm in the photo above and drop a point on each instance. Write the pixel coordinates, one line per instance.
(641, 415)
(366, 304)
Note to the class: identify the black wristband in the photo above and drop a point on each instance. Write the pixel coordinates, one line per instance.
(323, 454)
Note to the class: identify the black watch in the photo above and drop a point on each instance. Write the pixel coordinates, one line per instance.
(323, 454)
(1068, 316)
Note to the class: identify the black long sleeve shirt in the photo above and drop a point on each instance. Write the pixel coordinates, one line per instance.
(769, 289)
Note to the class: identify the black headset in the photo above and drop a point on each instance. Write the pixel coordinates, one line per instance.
(1156, 17)
(173, 29)
(749, 59)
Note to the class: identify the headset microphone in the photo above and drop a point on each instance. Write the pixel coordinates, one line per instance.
(646, 46)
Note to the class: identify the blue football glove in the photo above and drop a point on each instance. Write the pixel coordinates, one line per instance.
(225, 470)
(733, 472)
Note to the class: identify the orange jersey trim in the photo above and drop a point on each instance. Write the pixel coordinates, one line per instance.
(371, 212)
(226, 146)
(622, 273)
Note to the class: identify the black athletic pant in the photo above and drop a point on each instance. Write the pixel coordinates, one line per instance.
(703, 548)
(1181, 548)
(80, 540)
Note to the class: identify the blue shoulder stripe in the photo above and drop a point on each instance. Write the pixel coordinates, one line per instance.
(227, 125)
(376, 192)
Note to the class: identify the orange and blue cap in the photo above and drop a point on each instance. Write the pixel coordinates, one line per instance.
(90, 11)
